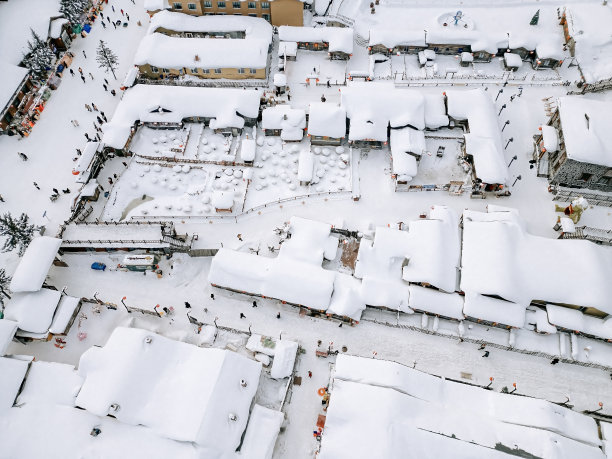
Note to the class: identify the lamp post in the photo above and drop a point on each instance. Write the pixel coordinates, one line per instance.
(505, 124)
(511, 139)
(125, 305)
(518, 177)
(490, 382)
(501, 109)
(499, 93)
(512, 160)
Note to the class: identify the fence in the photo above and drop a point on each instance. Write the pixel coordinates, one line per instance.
(452, 79)
(174, 159)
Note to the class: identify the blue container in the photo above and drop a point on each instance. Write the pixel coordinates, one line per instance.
(98, 266)
(87, 28)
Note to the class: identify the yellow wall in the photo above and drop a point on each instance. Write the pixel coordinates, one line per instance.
(229, 73)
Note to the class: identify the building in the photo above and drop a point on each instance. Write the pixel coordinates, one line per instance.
(161, 56)
(16, 83)
(284, 121)
(577, 144)
(327, 123)
(278, 12)
(407, 147)
(337, 41)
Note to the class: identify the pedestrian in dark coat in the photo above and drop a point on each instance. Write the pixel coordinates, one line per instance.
(105, 80)
(114, 25)
(254, 304)
(91, 76)
(94, 106)
(105, 88)
(278, 315)
(242, 316)
(55, 190)
(84, 54)
(103, 116)
(71, 72)
(212, 296)
(99, 120)
(36, 186)
(187, 305)
(127, 16)
(103, 24)
(113, 92)
(83, 78)
(87, 137)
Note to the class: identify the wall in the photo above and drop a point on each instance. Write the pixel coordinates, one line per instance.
(200, 8)
(287, 12)
(570, 171)
(229, 73)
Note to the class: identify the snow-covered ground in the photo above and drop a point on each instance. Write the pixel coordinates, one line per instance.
(170, 192)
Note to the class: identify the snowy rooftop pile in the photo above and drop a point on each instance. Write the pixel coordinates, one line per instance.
(326, 119)
(153, 5)
(13, 371)
(7, 331)
(171, 104)
(176, 52)
(407, 145)
(35, 263)
(572, 319)
(295, 276)
(50, 382)
(483, 28)
(180, 22)
(589, 26)
(427, 253)
(500, 258)
(12, 76)
(483, 142)
(340, 39)
(291, 121)
(374, 106)
(33, 311)
(178, 390)
(84, 162)
(587, 129)
(402, 410)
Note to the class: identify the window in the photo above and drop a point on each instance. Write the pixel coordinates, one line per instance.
(252, 5)
(208, 4)
(220, 4)
(236, 5)
(253, 15)
(165, 70)
(252, 71)
(191, 6)
(177, 6)
(266, 17)
(154, 69)
(265, 5)
(205, 71)
(240, 71)
(585, 177)
(217, 71)
(194, 70)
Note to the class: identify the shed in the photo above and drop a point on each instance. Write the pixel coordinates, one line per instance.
(223, 201)
(34, 265)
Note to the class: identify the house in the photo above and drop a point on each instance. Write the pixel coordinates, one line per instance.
(89, 163)
(407, 147)
(284, 121)
(277, 12)
(542, 48)
(482, 149)
(59, 33)
(229, 27)
(223, 201)
(160, 56)
(225, 110)
(327, 123)
(585, 29)
(337, 41)
(305, 167)
(248, 147)
(577, 144)
(385, 40)
(16, 83)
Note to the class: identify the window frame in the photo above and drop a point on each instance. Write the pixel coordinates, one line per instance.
(222, 4)
(207, 3)
(252, 5)
(218, 71)
(237, 7)
(190, 5)
(177, 6)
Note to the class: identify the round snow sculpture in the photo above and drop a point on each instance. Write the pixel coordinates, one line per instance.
(186, 168)
(339, 149)
(157, 168)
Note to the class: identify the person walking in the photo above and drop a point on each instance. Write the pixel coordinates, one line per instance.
(114, 25)
(88, 107)
(187, 305)
(91, 76)
(99, 120)
(71, 72)
(486, 354)
(127, 16)
(105, 88)
(103, 116)
(212, 296)
(310, 374)
(85, 55)
(75, 123)
(103, 24)
(83, 78)
(36, 186)
(242, 316)
(79, 152)
(254, 304)
(55, 190)
(1, 198)
(87, 137)
(105, 80)
(113, 92)
(110, 181)
(98, 138)
(94, 107)
(80, 70)
(122, 13)
(95, 126)
(23, 156)
(102, 15)
(278, 315)
(113, 7)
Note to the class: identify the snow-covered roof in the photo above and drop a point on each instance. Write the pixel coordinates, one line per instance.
(436, 302)
(405, 141)
(340, 39)
(247, 149)
(261, 434)
(138, 370)
(33, 311)
(372, 107)
(55, 27)
(130, 77)
(12, 77)
(280, 79)
(7, 332)
(573, 319)
(326, 119)
(587, 129)
(291, 121)
(305, 165)
(550, 137)
(478, 41)
(65, 311)
(155, 5)
(288, 48)
(500, 258)
(84, 162)
(483, 142)
(50, 382)
(406, 410)
(346, 300)
(284, 359)
(513, 60)
(391, 38)
(222, 199)
(494, 310)
(180, 22)
(589, 26)
(13, 371)
(171, 104)
(176, 52)
(35, 263)
(311, 241)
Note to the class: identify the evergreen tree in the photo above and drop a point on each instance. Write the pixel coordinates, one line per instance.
(5, 280)
(38, 57)
(106, 58)
(18, 232)
(535, 18)
(73, 9)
